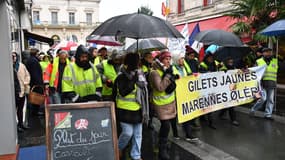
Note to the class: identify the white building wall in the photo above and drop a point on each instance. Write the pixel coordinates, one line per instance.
(63, 29)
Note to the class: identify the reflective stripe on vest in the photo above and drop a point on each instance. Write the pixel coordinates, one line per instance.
(271, 70)
(204, 65)
(55, 74)
(161, 98)
(187, 68)
(111, 74)
(128, 102)
(82, 85)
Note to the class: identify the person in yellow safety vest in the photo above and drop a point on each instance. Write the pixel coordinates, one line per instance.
(53, 77)
(109, 70)
(44, 63)
(269, 83)
(229, 65)
(93, 55)
(127, 93)
(191, 60)
(209, 65)
(180, 69)
(102, 55)
(81, 81)
(162, 80)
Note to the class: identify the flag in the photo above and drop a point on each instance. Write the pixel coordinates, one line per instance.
(199, 48)
(201, 54)
(163, 9)
(185, 33)
(195, 31)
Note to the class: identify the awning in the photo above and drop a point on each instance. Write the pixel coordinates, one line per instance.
(37, 37)
(222, 23)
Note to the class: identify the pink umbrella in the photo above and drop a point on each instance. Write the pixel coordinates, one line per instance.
(66, 45)
(104, 40)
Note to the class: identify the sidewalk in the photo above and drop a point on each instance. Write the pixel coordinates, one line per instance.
(255, 139)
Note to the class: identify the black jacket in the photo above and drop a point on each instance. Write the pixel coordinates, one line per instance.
(35, 70)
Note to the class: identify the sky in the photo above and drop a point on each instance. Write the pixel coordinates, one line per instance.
(111, 8)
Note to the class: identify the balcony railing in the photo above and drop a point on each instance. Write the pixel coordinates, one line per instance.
(64, 24)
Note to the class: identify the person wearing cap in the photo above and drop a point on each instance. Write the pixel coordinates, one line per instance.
(109, 70)
(53, 77)
(162, 81)
(229, 65)
(269, 83)
(81, 81)
(102, 55)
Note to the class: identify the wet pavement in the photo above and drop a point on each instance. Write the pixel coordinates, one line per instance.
(254, 139)
(35, 136)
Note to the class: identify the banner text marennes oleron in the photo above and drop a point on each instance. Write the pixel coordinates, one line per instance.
(208, 92)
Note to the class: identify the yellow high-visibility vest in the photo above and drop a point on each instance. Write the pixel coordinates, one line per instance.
(110, 73)
(162, 98)
(82, 82)
(128, 102)
(271, 70)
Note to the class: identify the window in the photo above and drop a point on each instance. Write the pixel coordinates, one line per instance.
(207, 2)
(54, 18)
(89, 18)
(36, 17)
(180, 7)
(71, 18)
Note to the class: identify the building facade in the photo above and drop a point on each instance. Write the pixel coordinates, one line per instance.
(65, 19)
(209, 14)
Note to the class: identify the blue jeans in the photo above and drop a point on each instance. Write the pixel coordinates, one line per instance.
(268, 96)
(133, 131)
(55, 98)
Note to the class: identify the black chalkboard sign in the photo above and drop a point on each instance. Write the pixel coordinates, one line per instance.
(81, 131)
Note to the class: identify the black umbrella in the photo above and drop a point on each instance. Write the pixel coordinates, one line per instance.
(237, 53)
(218, 37)
(137, 26)
(146, 45)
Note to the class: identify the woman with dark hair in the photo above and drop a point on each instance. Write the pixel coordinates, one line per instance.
(23, 78)
(127, 87)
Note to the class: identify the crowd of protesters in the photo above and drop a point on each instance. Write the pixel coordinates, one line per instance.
(141, 85)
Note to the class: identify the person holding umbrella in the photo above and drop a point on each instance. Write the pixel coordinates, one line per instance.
(162, 80)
